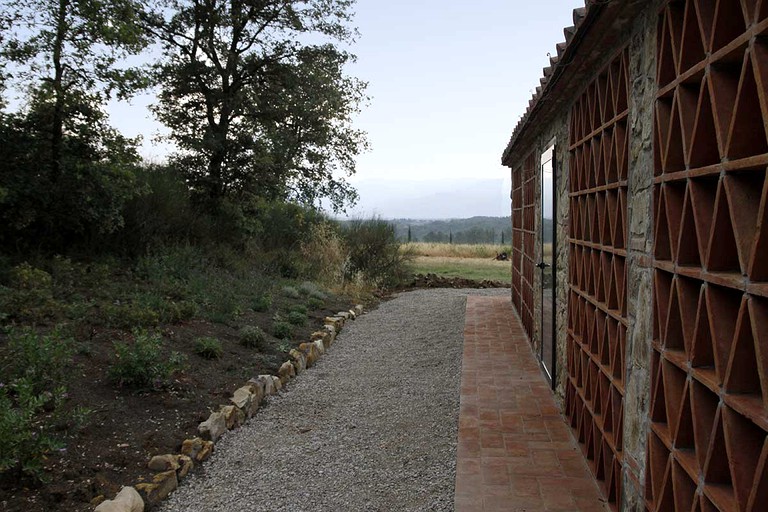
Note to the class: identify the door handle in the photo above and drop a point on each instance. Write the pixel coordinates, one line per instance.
(543, 265)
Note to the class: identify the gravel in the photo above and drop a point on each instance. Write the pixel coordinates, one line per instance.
(371, 427)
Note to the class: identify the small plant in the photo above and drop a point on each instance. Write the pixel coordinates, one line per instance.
(284, 347)
(300, 308)
(315, 303)
(252, 337)
(208, 348)
(262, 303)
(291, 292)
(42, 360)
(282, 330)
(141, 364)
(297, 318)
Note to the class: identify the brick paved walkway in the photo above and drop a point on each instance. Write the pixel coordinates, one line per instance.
(515, 451)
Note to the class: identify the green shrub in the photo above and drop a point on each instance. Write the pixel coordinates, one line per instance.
(310, 289)
(253, 337)
(374, 252)
(300, 308)
(208, 348)
(297, 318)
(315, 303)
(42, 361)
(291, 292)
(262, 303)
(282, 330)
(141, 364)
(30, 295)
(27, 441)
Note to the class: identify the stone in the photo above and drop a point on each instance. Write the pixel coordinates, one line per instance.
(323, 335)
(257, 388)
(212, 428)
(310, 351)
(244, 399)
(299, 361)
(359, 309)
(161, 486)
(185, 466)
(166, 462)
(276, 383)
(320, 346)
(197, 449)
(269, 384)
(331, 331)
(343, 314)
(127, 500)
(352, 314)
(233, 416)
(286, 372)
(336, 321)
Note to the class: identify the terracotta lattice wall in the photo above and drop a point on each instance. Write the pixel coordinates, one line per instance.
(597, 309)
(707, 446)
(524, 191)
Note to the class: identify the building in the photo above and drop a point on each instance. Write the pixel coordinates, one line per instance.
(646, 144)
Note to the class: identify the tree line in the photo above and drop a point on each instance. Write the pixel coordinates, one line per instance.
(254, 94)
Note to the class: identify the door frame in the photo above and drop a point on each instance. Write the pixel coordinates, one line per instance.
(549, 368)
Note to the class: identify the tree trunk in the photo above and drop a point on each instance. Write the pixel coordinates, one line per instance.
(57, 123)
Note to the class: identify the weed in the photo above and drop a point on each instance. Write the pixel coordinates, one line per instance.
(141, 364)
(297, 318)
(208, 348)
(311, 290)
(262, 303)
(284, 347)
(282, 330)
(43, 361)
(300, 308)
(253, 337)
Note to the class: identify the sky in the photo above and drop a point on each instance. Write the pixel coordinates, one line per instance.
(448, 81)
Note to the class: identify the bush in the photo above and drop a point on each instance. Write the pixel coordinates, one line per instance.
(315, 303)
(208, 348)
(27, 441)
(262, 303)
(141, 364)
(374, 252)
(253, 337)
(42, 361)
(291, 292)
(300, 308)
(282, 330)
(297, 318)
(310, 289)
(324, 255)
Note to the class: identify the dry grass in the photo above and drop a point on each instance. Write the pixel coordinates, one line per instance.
(455, 250)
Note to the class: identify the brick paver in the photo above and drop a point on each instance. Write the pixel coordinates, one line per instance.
(515, 451)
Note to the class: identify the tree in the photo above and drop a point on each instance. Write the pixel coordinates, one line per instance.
(252, 106)
(66, 171)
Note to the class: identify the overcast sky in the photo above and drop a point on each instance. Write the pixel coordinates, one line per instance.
(449, 80)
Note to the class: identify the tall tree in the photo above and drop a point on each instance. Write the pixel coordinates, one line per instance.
(256, 98)
(67, 54)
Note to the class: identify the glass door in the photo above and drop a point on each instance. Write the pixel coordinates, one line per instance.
(546, 265)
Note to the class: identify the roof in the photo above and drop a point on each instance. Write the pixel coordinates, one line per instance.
(599, 25)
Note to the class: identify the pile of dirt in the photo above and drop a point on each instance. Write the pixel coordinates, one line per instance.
(435, 281)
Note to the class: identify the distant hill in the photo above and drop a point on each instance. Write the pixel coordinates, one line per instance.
(471, 230)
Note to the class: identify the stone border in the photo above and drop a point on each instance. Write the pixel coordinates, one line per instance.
(170, 469)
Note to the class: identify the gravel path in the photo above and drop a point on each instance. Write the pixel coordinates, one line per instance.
(372, 427)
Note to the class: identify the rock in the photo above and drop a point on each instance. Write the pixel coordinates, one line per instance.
(243, 398)
(185, 466)
(310, 351)
(127, 500)
(233, 416)
(197, 449)
(352, 314)
(336, 321)
(162, 485)
(269, 384)
(257, 388)
(359, 309)
(98, 500)
(212, 428)
(167, 462)
(286, 372)
(320, 346)
(323, 335)
(299, 361)
(276, 383)
(343, 314)
(331, 331)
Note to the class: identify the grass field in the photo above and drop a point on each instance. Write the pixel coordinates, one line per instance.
(469, 268)
(455, 250)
